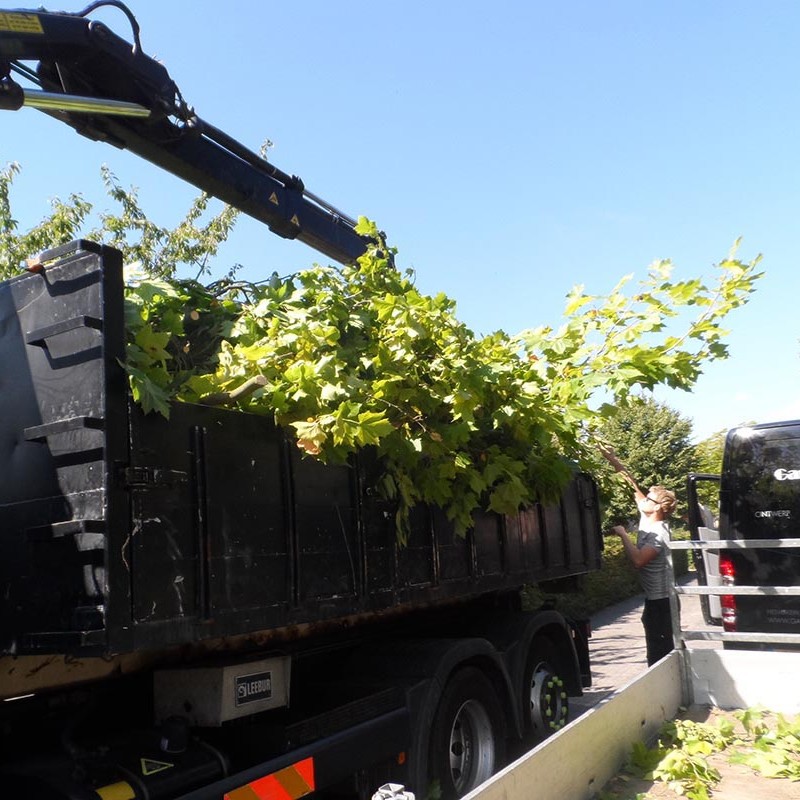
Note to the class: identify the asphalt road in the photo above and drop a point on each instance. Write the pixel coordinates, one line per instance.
(617, 648)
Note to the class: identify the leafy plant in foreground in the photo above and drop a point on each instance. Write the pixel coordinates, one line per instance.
(769, 744)
(355, 356)
(681, 758)
(775, 751)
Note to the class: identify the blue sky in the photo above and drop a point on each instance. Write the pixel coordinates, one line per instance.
(509, 150)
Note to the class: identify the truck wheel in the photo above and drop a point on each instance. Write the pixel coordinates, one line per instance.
(545, 703)
(468, 734)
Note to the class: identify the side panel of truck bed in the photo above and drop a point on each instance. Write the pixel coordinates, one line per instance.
(121, 531)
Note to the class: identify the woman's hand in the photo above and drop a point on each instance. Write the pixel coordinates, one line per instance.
(607, 451)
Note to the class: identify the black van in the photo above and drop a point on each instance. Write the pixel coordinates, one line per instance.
(759, 498)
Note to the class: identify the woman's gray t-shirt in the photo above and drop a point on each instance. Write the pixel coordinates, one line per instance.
(654, 576)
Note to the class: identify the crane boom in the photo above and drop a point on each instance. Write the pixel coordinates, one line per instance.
(109, 90)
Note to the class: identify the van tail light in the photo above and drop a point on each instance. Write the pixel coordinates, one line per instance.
(727, 602)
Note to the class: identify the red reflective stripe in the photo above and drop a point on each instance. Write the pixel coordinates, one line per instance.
(269, 788)
(306, 770)
(289, 783)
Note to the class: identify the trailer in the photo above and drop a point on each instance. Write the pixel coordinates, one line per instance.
(598, 744)
(192, 609)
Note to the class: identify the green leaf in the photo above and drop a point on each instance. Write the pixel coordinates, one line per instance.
(150, 396)
(153, 344)
(373, 426)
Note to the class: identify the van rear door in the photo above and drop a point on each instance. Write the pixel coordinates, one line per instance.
(760, 499)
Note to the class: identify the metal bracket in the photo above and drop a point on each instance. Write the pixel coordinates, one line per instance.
(151, 477)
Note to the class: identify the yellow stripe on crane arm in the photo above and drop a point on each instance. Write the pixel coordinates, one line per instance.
(20, 23)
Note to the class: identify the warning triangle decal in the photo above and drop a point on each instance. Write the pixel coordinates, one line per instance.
(150, 766)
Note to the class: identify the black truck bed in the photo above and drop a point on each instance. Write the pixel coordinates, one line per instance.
(120, 531)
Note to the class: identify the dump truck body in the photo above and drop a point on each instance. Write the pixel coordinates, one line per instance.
(202, 564)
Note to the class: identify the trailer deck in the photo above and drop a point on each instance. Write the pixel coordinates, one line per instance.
(598, 743)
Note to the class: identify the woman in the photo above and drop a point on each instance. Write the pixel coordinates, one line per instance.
(649, 556)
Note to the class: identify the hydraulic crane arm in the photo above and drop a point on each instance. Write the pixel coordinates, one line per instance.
(109, 90)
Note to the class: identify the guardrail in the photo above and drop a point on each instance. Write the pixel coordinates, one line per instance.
(682, 636)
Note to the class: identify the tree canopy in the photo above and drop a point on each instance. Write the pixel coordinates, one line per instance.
(654, 442)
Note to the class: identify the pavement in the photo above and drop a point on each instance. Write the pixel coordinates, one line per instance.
(617, 647)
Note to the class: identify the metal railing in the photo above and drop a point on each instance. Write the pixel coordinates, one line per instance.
(682, 636)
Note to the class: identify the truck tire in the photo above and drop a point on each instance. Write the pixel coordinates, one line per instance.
(545, 703)
(468, 734)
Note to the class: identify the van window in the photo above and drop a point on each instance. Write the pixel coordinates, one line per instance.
(762, 469)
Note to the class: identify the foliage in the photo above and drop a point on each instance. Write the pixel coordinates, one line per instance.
(61, 226)
(653, 441)
(614, 343)
(775, 752)
(681, 758)
(708, 453)
(708, 460)
(157, 250)
(174, 331)
(357, 357)
(768, 744)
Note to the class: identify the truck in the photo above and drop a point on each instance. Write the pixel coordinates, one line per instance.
(190, 608)
(756, 497)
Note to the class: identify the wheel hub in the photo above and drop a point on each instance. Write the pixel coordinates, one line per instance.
(549, 706)
(471, 747)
